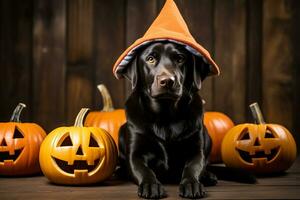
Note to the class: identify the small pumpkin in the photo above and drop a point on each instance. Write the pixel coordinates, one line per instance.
(108, 118)
(217, 125)
(20, 145)
(78, 155)
(260, 147)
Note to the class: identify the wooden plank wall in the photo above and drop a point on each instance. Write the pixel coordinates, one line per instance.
(53, 53)
(48, 77)
(16, 56)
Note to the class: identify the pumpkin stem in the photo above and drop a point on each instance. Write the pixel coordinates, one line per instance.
(81, 116)
(17, 112)
(106, 98)
(256, 113)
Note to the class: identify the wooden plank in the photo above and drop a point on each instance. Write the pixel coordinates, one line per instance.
(277, 187)
(128, 191)
(79, 90)
(140, 15)
(80, 72)
(80, 31)
(277, 63)
(49, 46)
(109, 43)
(15, 57)
(295, 39)
(254, 54)
(198, 15)
(230, 54)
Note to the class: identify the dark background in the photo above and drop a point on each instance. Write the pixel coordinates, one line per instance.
(55, 52)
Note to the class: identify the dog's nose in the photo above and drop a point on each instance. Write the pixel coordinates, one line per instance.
(166, 81)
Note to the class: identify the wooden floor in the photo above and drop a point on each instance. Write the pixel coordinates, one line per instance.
(285, 186)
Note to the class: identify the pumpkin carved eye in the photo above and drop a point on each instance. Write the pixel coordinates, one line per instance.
(93, 142)
(17, 134)
(67, 141)
(269, 134)
(245, 135)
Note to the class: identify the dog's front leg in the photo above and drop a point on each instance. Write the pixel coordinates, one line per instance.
(190, 186)
(148, 185)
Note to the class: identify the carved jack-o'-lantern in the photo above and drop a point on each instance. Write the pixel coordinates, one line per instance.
(260, 148)
(19, 145)
(78, 155)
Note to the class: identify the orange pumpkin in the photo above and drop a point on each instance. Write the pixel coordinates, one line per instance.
(261, 147)
(217, 125)
(19, 145)
(108, 118)
(78, 155)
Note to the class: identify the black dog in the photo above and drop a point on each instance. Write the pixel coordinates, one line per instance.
(164, 138)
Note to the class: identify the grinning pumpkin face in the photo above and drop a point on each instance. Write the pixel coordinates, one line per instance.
(19, 146)
(75, 155)
(11, 145)
(261, 148)
(78, 155)
(258, 144)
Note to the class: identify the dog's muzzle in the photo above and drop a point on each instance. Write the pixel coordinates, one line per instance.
(166, 87)
(165, 81)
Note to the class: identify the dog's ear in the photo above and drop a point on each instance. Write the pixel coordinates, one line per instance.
(200, 71)
(131, 72)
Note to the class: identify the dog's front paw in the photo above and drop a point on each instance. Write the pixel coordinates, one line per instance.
(191, 189)
(151, 191)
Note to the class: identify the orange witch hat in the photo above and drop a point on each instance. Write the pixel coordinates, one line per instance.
(168, 26)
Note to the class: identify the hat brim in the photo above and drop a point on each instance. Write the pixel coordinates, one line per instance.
(194, 48)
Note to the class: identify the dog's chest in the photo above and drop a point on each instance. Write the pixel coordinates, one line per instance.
(171, 131)
(173, 142)
(168, 162)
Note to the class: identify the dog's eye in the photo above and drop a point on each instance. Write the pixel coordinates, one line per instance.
(180, 58)
(150, 59)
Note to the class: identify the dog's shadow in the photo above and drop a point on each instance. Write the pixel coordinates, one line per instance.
(272, 175)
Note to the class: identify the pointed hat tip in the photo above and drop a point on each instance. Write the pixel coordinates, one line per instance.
(168, 25)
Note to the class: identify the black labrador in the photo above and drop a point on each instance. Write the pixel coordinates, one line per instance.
(164, 139)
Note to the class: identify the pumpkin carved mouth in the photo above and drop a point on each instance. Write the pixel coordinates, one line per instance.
(80, 165)
(5, 155)
(249, 157)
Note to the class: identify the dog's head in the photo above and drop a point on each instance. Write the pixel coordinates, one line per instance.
(164, 70)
